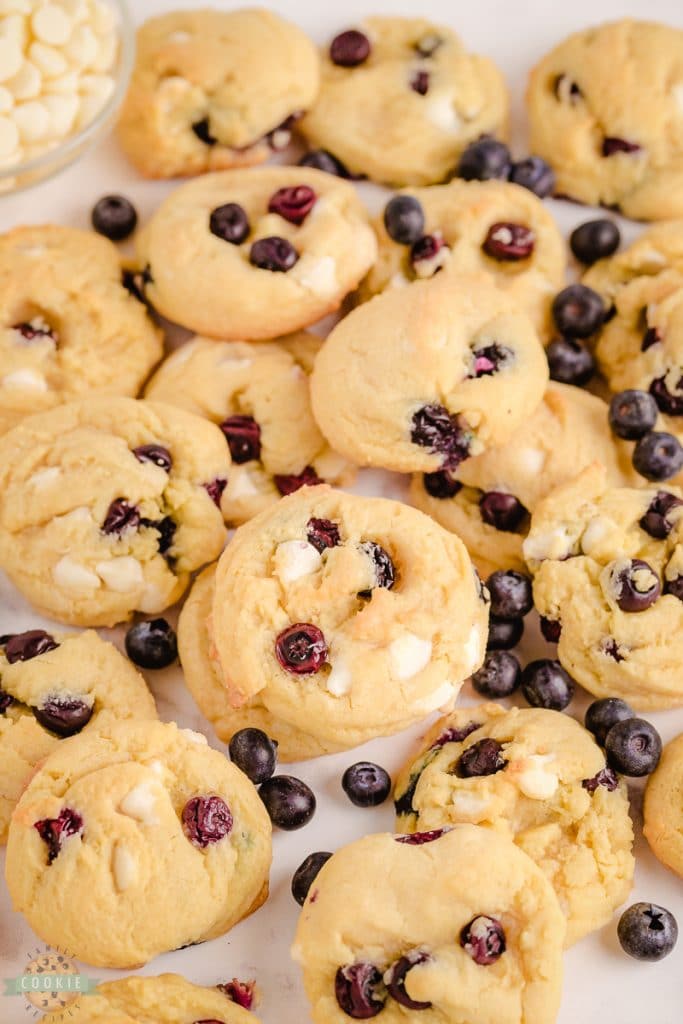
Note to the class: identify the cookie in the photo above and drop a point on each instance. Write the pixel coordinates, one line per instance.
(57, 685)
(656, 250)
(107, 505)
(488, 499)
(215, 89)
(250, 255)
(68, 327)
(663, 808)
(608, 569)
(345, 617)
(400, 98)
(138, 816)
(478, 225)
(259, 396)
(610, 140)
(538, 777)
(433, 374)
(453, 925)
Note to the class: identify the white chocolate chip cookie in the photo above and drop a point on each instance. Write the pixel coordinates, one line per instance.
(663, 807)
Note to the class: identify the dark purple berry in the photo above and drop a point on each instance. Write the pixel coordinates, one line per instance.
(434, 428)
(404, 219)
(273, 253)
(636, 585)
(31, 644)
(490, 360)
(651, 337)
(441, 484)
(215, 490)
(551, 629)
(570, 362)
(535, 174)
(455, 735)
(612, 145)
(360, 990)
(156, 454)
(419, 83)
(647, 931)
(135, 281)
(350, 48)
(53, 831)
(503, 512)
(202, 130)
(301, 649)
(114, 217)
(254, 753)
(601, 715)
(63, 715)
(241, 992)
(484, 160)
(499, 676)
(6, 701)
(606, 777)
(243, 435)
(206, 820)
(289, 801)
(288, 484)
(322, 160)
(594, 240)
(424, 254)
(322, 534)
(671, 404)
(121, 516)
(420, 838)
(481, 758)
(508, 242)
(632, 414)
(396, 979)
(633, 747)
(545, 684)
(484, 939)
(510, 593)
(36, 328)
(383, 568)
(658, 456)
(166, 529)
(658, 521)
(306, 874)
(674, 587)
(229, 223)
(504, 634)
(578, 311)
(293, 202)
(152, 644)
(366, 784)
(612, 649)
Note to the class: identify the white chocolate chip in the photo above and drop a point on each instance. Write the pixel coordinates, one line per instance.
(33, 120)
(140, 803)
(62, 111)
(83, 47)
(121, 574)
(398, 280)
(330, 465)
(469, 804)
(103, 17)
(441, 112)
(25, 380)
(44, 477)
(535, 780)
(11, 57)
(50, 61)
(25, 85)
(13, 26)
(339, 680)
(153, 599)
(556, 544)
(677, 93)
(473, 650)
(316, 274)
(408, 655)
(6, 100)
(9, 136)
(73, 575)
(595, 533)
(179, 36)
(157, 767)
(194, 737)
(532, 459)
(124, 867)
(51, 24)
(234, 364)
(442, 698)
(240, 484)
(294, 559)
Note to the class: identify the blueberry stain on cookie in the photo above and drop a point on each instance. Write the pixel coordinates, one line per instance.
(55, 831)
(434, 428)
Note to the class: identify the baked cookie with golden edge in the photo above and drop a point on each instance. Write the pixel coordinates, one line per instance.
(68, 327)
(258, 394)
(251, 255)
(655, 251)
(605, 111)
(215, 89)
(107, 505)
(663, 808)
(142, 815)
(608, 569)
(454, 924)
(487, 500)
(492, 226)
(345, 617)
(54, 685)
(400, 99)
(538, 777)
(433, 374)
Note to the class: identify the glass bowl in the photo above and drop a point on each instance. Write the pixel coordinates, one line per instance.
(46, 165)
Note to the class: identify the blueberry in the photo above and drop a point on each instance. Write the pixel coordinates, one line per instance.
(485, 757)
(535, 174)
(606, 777)
(509, 242)
(53, 831)
(323, 160)
(647, 932)
(601, 715)
(114, 217)
(359, 990)
(156, 454)
(503, 511)
(293, 203)
(202, 130)
(206, 820)
(290, 802)
(120, 516)
(404, 219)
(301, 649)
(635, 585)
(434, 428)
(305, 875)
(241, 992)
(322, 534)
(31, 644)
(659, 520)
(229, 223)
(594, 240)
(254, 753)
(545, 684)
(510, 594)
(483, 160)
(441, 484)
(63, 715)
(570, 362)
(287, 484)
(578, 311)
(274, 253)
(383, 569)
(350, 48)
(551, 629)
(633, 747)
(498, 677)
(419, 83)
(484, 939)
(613, 144)
(243, 435)
(632, 414)
(504, 633)
(395, 979)
(152, 644)
(658, 456)
(366, 784)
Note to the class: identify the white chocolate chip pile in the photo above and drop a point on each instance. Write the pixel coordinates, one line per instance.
(56, 61)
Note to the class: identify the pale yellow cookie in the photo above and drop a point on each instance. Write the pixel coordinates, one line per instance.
(663, 808)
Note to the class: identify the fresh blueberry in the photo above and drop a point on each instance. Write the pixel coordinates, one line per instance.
(229, 223)
(434, 428)
(503, 511)
(293, 203)
(499, 676)
(114, 217)
(396, 979)
(658, 456)
(647, 931)
(152, 644)
(366, 784)
(636, 585)
(206, 820)
(441, 484)
(301, 649)
(545, 684)
(633, 747)
(578, 311)
(63, 715)
(254, 753)
(359, 990)
(350, 48)
(53, 831)
(481, 758)
(510, 592)
(322, 534)
(305, 875)
(551, 629)
(290, 802)
(484, 939)
(404, 219)
(570, 362)
(659, 518)
(156, 454)
(601, 715)
(27, 645)
(594, 240)
(535, 174)
(483, 160)
(287, 484)
(508, 242)
(323, 160)
(632, 414)
(504, 634)
(243, 435)
(274, 253)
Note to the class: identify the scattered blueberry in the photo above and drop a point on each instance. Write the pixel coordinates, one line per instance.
(633, 747)
(636, 585)
(360, 990)
(669, 403)
(396, 979)
(152, 644)
(578, 311)
(647, 931)
(274, 253)
(535, 174)
(570, 362)
(229, 223)
(206, 820)
(484, 939)
(30, 644)
(483, 160)
(53, 831)
(510, 592)
(323, 160)
(366, 784)
(503, 511)
(499, 676)
(601, 715)
(305, 875)
(301, 648)
(594, 240)
(254, 753)
(243, 435)
(350, 48)
(658, 520)
(294, 203)
(114, 217)
(504, 634)
(508, 242)
(404, 219)
(632, 414)
(64, 715)
(481, 758)
(545, 684)
(658, 456)
(290, 802)
(551, 629)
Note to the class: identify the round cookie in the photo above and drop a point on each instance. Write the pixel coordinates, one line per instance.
(663, 807)
(308, 256)
(487, 500)
(57, 685)
(404, 112)
(462, 923)
(608, 567)
(460, 219)
(546, 786)
(259, 396)
(68, 327)
(433, 374)
(137, 815)
(347, 617)
(609, 139)
(107, 505)
(657, 249)
(215, 89)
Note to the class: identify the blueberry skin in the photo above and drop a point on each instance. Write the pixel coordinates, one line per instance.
(632, 414)
(647, 931)
(254, 753)
(511, 596)
(115, 217)
(323, 160)
(289, 801)
(594, 240)
(504, 634)
(601, 715)
(404, 219)
(578, 311)
(499, 676)
(658, 456)
(366, 784)
(484, 160)
(570, 362)
(545, 684)
(152, 644)
(306, 873)
(633, 747)
(535, 174)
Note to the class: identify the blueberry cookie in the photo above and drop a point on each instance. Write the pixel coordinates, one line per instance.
(345, 617)
(663, 808)
(657, 250)
(250, 255)
(608, 569)
(433, 374)
(215, 89)
(68, 327)
(610, 139)
(259, 396)
(140, 816)
(493, 226)
(401, 98)
(488, 499)
(454, 924)
(107, 505)
(54, 685)
(538, 777)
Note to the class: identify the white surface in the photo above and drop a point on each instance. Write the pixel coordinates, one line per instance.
(602, 985)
